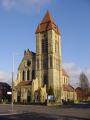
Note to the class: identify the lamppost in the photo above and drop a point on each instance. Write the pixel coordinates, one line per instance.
(12, 80)
(12, 102)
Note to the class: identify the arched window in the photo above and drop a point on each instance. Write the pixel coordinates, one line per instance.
(56, 46)
(28, 96)
(33, 74)
(23, 75)
(50, 61)
(44, 45)
(45, 79)
(45, 63)
(28, 63)
(28, 75)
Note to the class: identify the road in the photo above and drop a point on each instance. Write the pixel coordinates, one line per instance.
(36, 112)
(35, 116)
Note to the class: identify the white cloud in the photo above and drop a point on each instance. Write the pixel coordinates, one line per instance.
(7, 4)
(25, 4)
(5, 77)
(74, 72)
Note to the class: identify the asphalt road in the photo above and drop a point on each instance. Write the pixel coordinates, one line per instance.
(35, 116)
(36, 112)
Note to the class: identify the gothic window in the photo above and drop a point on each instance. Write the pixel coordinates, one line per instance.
(23, 75)
(44, 45)
(50, 61)
(55, 46)
(28, 63)
(64, 80)
(45, 63)
(28, 75)
(45, 79)
(37, 64)
(28, 96)
(33, 74)
(44, 35)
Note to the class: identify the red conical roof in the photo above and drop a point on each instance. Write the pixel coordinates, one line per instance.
(47, 18)
(47, 24)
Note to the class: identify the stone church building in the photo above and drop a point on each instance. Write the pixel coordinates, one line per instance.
(41, 71)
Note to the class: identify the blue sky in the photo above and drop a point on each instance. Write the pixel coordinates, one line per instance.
(18, 22)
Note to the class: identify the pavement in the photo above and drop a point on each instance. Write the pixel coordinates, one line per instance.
(36, 112)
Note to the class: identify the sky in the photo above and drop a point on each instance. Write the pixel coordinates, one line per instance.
(19, 20)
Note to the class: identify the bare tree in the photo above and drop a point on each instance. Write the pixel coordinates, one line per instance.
(84, 84)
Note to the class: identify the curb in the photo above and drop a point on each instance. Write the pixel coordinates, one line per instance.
(12, 112)
(2, 114)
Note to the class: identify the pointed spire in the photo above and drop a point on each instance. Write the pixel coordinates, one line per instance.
(47, 18)
(47, 24)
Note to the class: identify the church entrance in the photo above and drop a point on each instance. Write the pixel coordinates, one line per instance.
(28, 97)
(37, 96)
(18, 96)
(18, 99)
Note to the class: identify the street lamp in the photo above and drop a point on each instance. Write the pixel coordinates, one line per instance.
(13, 55)
(12, 81)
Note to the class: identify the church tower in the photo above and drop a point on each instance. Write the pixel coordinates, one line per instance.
(48, 54)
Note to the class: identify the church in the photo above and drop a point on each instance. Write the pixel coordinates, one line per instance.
(40, 75)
